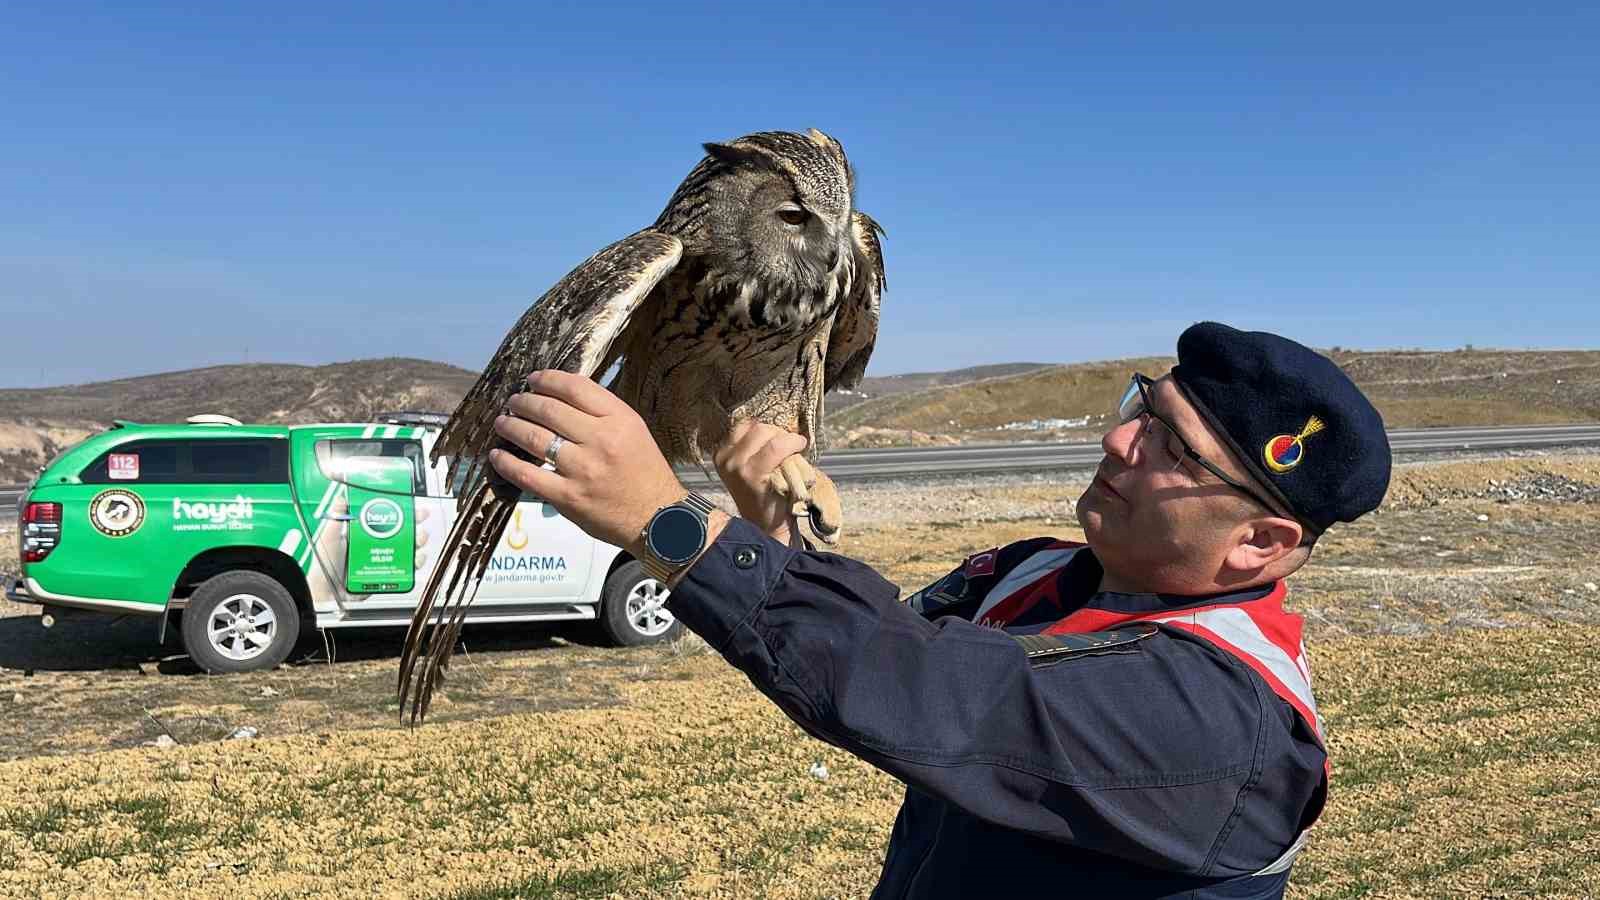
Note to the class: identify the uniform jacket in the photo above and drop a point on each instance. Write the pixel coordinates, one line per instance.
(1166, 767)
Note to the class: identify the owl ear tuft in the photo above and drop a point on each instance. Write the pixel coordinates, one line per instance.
(745, 156)
(825, 140)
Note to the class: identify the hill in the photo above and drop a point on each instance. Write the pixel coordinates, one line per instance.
(885, 385)
(36, 424)
(1411, 388)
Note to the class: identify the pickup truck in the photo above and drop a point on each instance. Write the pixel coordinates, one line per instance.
(238, 536)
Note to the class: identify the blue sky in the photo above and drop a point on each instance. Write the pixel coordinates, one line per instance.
(187, 185)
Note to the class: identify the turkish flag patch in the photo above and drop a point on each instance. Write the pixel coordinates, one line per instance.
(981, 563)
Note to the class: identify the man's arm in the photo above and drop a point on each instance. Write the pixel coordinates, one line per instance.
(1151, 755)
(1167, 756)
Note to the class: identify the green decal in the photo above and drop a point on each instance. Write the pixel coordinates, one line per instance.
(382, 525)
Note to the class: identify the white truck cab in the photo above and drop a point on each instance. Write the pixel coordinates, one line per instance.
(545, 567)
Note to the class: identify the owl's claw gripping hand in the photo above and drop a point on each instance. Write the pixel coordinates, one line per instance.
(774, 485)
(812, 497)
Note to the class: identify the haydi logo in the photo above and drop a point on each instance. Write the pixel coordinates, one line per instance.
(234, 514)
(382, 518)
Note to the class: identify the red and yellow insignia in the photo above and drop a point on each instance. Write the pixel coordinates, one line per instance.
(1285, 451)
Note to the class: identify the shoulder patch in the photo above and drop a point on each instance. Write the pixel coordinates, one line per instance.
(980, 564)
(1048, 649)
(948, 590)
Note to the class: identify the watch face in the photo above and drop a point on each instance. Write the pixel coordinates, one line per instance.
(676, 534)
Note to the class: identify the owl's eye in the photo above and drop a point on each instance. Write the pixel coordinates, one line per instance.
(792, 215)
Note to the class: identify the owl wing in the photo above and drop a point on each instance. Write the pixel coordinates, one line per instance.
(855, 325)
(573, 327)
(576, 327)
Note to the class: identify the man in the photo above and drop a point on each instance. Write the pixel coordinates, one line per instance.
(1130, 718)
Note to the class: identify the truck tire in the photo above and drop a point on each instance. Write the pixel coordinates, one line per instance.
(630, 608)
(240, 621)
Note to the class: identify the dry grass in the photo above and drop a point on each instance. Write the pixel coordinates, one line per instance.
(1466, 754)
(695, 784)
(1464, 767)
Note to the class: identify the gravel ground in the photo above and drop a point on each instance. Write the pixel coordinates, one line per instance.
(966, 498)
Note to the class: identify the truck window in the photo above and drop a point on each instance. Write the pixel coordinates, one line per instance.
(238, 462)
(329, 453)
(222, 461)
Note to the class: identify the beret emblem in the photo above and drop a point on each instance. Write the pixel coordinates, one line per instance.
(1286, 451)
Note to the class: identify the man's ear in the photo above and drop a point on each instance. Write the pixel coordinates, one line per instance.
(1261, 542)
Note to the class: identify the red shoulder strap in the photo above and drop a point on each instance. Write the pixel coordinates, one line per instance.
(1259, 633)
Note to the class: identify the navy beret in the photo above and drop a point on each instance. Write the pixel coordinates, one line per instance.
(1295, 418)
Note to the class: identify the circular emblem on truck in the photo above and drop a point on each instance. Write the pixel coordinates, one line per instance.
(381, 518)
(116, 513)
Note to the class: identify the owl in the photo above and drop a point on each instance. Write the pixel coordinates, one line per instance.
(754, 293)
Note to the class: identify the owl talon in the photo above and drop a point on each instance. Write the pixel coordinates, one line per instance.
(825, 515)
(813, 497)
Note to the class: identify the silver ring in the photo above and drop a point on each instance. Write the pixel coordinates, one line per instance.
(554, 448)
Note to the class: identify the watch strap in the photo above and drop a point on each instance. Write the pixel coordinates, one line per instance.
(658, 568)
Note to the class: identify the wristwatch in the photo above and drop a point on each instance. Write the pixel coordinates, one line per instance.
(674, 536)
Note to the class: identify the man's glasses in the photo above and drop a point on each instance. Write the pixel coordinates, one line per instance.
(1135, 403)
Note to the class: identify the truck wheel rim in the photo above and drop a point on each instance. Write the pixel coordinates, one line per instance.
(645, 611)
(242, 627)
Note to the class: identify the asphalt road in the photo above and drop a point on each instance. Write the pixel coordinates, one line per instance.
(859, 465)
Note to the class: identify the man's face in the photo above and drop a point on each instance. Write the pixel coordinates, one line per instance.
(1153, 516)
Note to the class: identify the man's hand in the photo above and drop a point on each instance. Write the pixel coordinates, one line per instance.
(609, 477)
(746, 462)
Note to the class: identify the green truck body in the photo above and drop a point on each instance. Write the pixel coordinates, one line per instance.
(256, 529)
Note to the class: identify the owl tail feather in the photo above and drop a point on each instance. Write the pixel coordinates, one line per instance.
(485, 510)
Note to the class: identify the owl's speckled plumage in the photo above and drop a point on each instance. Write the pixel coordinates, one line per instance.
(754, 293)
